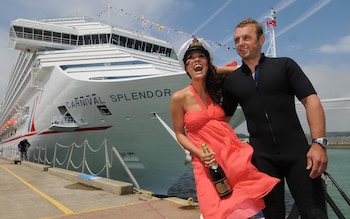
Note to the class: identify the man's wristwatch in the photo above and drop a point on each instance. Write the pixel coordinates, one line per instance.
(322, 141)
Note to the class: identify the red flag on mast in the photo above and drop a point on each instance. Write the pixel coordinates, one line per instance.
(271, 23)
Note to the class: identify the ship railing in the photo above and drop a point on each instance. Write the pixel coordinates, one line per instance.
(11, 151)
(75, 157)
(65, 157)
(327, 180)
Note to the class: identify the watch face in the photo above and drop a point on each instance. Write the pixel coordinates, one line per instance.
(321, 141)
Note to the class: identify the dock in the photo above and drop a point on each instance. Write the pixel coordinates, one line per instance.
(29, 190)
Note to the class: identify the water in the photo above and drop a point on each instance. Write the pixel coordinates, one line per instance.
(338, 168)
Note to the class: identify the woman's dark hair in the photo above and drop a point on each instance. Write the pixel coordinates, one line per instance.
(214, 83)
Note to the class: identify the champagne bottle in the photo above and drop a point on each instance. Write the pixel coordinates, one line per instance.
(218, 177)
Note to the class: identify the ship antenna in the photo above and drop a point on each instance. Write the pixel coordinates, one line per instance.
(271, 24)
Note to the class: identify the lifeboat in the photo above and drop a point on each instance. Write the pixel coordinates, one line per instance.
(11, 122)
(8, 124)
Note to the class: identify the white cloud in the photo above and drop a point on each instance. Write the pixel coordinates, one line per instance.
(331, 81)
(342, 46)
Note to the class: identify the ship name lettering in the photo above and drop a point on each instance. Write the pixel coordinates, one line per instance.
(84, 101)
(138, 95)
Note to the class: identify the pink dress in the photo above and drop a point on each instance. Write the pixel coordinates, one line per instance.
(249, 185)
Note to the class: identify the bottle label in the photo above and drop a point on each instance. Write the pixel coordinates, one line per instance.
(223, 187)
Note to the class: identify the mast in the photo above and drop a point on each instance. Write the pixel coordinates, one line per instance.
(109, 12)
(270, 25)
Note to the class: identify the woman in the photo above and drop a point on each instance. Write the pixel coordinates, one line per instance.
(198, 118)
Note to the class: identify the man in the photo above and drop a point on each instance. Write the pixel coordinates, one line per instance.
(23, 147)
(266, 89)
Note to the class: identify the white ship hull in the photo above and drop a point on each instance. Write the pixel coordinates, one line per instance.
(98, 93)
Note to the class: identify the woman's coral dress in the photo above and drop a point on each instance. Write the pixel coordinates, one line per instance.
(249, 185)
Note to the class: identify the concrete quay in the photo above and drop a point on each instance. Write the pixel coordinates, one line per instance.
(29, 190)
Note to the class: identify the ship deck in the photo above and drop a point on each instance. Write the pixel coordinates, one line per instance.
(30, 190)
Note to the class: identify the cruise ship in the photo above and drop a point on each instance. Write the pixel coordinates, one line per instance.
(79, 79)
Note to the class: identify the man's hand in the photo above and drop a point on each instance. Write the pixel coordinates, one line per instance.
(317, 160)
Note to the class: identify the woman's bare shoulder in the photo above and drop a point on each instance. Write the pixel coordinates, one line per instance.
(180, 94)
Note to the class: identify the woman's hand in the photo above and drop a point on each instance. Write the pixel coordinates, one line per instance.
(208, 158)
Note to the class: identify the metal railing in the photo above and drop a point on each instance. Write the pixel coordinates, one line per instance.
(294, 213)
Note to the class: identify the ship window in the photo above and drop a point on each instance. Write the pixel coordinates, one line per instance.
(149, 47)
(65, 116)
(87, 39)
(65, 38)
(143, 46)
(56, 37)
(81, 40)
(115, 39)
(170, 53)
(162, 50)
(74, 39)
(28, 33)
(122, 41)
(95, 39)
(130, 43)
(104, 110)
(155, 49)
(38, 34)
(108, 38)
(17, 28)
(138, 44)
(47, 36)
(103, 38)
(19, 31)
(63, 110)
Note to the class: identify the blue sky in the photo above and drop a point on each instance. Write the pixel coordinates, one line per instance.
(315, 33)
